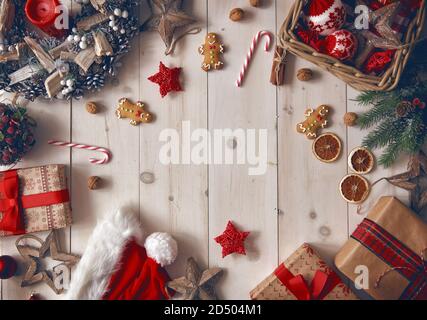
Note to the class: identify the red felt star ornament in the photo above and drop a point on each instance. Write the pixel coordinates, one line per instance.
(167, 79)
(232, 240)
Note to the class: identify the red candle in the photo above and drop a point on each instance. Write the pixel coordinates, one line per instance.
(41, 13)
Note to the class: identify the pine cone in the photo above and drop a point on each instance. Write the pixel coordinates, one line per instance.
(403, 108)
(94, 82)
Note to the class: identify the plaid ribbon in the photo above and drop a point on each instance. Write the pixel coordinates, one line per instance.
(397, 255)
(404, 15)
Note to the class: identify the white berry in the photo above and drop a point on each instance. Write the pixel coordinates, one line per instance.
(115, 28)
(84, 38)
(70, 38)
(117, 12)
(63, 83)
(111, 24)
(64, 91)
(74, 30)
(82, 45)
(76, 38)
(112, 17)
(70, 83)
(122, 31)
(125, 14)
(2, 47)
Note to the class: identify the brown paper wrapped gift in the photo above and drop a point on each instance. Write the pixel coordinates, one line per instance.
(303, 276)
(390, 244)
(34, 199)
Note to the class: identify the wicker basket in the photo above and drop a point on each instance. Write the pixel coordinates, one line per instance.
(288, 41)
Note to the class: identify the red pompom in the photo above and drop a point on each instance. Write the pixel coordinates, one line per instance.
(8, 267)
(341, 44)
(325, 16)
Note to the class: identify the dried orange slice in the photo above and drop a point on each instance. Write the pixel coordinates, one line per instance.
(354, 188)
(327, 147)
(361, 160)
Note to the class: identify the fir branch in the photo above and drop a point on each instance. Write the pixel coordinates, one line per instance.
(367, 98)
(386, 132)
(413, 135)
(381, 110)
(390, 154)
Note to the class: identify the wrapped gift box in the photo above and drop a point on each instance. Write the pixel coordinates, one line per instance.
(390, 244)
(34, 199)
(303, 276)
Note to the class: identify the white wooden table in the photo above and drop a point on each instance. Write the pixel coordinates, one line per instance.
(194, 202)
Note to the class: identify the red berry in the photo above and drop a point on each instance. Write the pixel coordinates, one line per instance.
(9, 141)
(5, 119)
(10, 130)
(422, 105)
(416, 102)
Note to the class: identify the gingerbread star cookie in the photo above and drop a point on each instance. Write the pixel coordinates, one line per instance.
(315, 120)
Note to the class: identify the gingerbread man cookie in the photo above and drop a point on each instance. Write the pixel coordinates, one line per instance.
(135, 112)
(212, 50)
(315, 120)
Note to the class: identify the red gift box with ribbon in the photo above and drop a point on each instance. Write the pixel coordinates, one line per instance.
(34, 199)
(303, 276)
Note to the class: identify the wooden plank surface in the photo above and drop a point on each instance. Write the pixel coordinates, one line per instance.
(192, 201)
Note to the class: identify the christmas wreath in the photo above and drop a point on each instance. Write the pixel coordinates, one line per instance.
(38, 58)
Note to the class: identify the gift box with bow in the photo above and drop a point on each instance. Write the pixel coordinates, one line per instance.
(303, 276)
(391, 246)
(34, 199)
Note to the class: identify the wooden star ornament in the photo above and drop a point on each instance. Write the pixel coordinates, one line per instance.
(167, 18)
(34, 255)
(167, 79)
(415, 181)
(196, 284)
(232, 240)
(385, 37)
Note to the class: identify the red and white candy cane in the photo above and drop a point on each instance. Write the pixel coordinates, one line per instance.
(107, 154)
(250, 54)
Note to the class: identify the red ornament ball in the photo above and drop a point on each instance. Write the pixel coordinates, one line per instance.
(341, 44)
(8, 267)
(16, 134)
(325, 16)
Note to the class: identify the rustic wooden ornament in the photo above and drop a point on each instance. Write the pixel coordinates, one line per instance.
(44, 58)
(167, 18)
(196, 285)
(24, 73)
(385, 38)
(7, 14)
(33, 256)
(102, 46)
(135, 112)
(85, 58)
(99, 5)
(88, 23)
(55, 53)
(53, 84)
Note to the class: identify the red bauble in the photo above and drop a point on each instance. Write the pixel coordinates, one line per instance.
(341, 44)
(325, 16)
(8, 267)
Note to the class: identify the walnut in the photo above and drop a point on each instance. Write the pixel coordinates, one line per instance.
(93, 183)
(91, 107)
(304, 74)
(236, 14)
(350, 119)
(255, 3)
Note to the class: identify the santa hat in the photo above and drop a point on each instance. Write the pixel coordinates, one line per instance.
(116, 266)
(317, 7)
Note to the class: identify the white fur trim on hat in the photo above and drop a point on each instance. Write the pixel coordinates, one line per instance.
(104, 249)
(162, 248)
